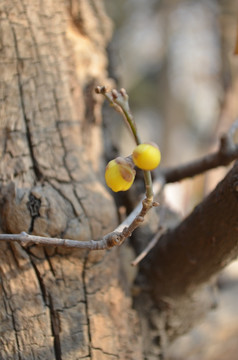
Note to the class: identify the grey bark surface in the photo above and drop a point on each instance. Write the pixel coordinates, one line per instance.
(57, 303)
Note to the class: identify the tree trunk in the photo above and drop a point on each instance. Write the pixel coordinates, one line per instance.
(56, 303)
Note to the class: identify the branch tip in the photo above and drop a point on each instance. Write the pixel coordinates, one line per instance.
(114, 94)
(100, 90)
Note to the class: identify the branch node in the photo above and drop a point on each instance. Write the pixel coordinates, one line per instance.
(113, 239)
(155, 203)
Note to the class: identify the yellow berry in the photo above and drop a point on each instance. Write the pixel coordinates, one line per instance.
(146, 156)
(119, 174)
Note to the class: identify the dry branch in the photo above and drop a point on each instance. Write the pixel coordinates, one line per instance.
(227, 152)
(114, 238)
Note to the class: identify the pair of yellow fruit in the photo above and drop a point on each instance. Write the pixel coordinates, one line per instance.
(120, 173)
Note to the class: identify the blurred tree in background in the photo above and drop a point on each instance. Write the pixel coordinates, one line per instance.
(176, 59)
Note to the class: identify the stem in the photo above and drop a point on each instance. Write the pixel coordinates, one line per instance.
(147, 174)
(148, 185)
(122, 102)
(131, 123)
(119, 100)
(124, 107)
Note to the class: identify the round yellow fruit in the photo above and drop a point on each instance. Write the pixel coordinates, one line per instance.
(146, 156)
(119, 174)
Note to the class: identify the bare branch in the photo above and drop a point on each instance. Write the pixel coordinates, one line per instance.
(227, 152)
(150, 246)
(110, 240)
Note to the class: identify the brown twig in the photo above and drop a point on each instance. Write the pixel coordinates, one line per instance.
(227, 152)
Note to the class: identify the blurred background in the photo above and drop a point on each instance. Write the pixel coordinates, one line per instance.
(176, 60)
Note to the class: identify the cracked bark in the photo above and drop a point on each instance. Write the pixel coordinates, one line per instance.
(57, 303)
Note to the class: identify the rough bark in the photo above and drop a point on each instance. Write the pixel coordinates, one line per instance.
(176, 278)
(199, 246)
(56, 303)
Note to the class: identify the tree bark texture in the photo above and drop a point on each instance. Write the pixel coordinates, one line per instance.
(176, 279)
(57, 303)
(199, 246)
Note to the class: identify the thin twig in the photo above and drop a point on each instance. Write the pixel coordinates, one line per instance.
(150, 246)
(115, 238)
(110, 240)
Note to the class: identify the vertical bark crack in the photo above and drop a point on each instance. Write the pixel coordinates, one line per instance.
(36, 169)
(61, 137)
(54, 316)
(87, 305)
(65, 162)
(55, 327)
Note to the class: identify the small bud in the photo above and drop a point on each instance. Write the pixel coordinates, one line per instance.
(124, 94)
(119, 174)
(146, 156)
(100, 90)
(114, 94)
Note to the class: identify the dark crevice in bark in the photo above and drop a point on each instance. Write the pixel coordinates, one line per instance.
(54, 316)
(86, 305)
(39, 278)
(89, 107)
(33, 206)
(55, 328)
(49, 262)
(61, 137)
(85, 212)
(36, 169)
(64, 197)
(76, 17)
